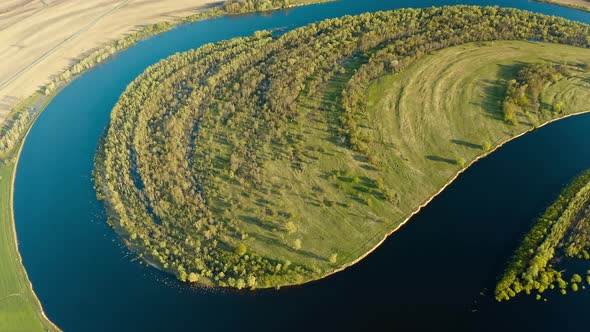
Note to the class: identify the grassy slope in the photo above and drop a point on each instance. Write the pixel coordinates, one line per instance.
(441, 108)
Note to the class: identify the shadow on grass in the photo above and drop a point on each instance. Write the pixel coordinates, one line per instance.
(271, 241)
(442, 159)
(466, 144)
(256, 221)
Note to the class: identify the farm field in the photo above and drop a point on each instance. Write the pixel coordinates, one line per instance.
(40, 39)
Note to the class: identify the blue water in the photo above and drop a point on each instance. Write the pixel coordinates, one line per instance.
(428, 276)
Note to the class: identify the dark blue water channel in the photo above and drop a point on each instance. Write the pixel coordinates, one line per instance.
(432, 275)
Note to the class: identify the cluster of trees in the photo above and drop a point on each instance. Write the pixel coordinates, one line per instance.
(243, 6)
(13, 132)
(530, 268)
(523, 92)
(189, 138)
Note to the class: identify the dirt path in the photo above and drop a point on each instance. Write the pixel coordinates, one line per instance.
(9, 296)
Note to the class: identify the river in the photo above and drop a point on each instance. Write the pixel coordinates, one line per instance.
(437, 273)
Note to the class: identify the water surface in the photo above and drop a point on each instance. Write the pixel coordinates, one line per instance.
(434, 274)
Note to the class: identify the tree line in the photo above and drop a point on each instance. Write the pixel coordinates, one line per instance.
(13, 133)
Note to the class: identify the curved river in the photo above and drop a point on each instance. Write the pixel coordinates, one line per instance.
(435, 274)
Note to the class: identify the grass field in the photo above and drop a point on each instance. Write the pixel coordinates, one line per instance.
(421, 121)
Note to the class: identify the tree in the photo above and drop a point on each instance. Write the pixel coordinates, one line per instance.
(240, 284)
(252, 281)
(558, 106)
(576, 278)
(486, 146)
(461, 162)
(241, 249)
(290, 227)
(297, 244)
(509, 110)
(193, 277)
(333, 258)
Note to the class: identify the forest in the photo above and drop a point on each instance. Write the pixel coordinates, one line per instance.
(249, 163)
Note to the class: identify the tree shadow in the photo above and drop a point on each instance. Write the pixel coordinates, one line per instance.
(277, 243)
(467, 144)
(442, 159)
(545, 106)
(256, 221)
(368, 167)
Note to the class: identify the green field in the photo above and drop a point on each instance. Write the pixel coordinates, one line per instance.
(263, 161)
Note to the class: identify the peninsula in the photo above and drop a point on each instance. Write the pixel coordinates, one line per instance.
(268, 161)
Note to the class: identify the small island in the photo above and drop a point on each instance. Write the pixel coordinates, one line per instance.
(561, 233)
(269, 161)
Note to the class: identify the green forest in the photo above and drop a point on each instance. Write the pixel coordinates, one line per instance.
(273, 160)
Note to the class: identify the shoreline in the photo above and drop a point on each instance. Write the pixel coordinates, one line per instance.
(45, 321)
(566, 4)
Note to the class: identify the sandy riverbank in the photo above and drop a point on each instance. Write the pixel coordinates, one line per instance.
(577, 4)
(39, 39)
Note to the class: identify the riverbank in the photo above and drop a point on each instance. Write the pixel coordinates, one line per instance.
(20, 309)
(575, 4)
